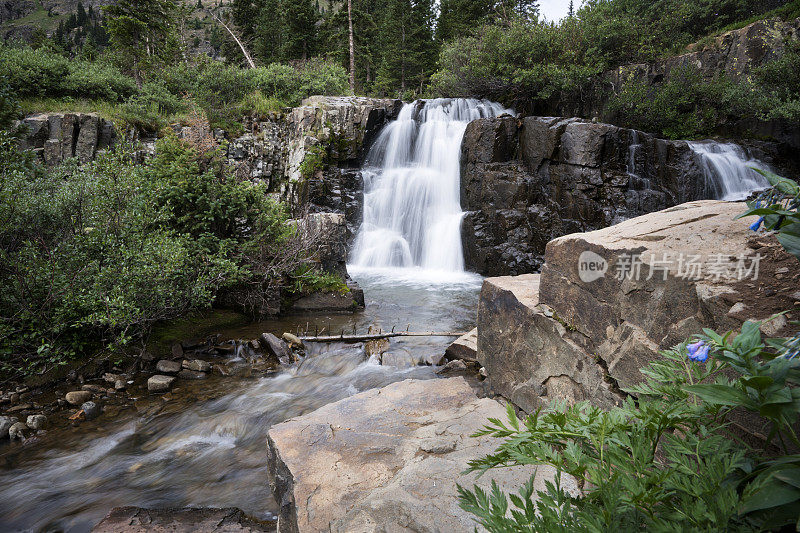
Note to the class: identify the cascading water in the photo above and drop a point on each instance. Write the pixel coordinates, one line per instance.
(412, 208)
(728, 170)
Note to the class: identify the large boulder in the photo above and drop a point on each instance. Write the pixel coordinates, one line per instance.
(180, 520)
(387, 460)
(59, 136)
(609, 300)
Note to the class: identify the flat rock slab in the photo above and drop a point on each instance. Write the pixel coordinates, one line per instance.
(180, 520)
(387, 460)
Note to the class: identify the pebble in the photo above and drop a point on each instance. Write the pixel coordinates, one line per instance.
(91, 410)
(94, 388)
(159, 383)
(17, 431)
(5, 424)
(120, 384)
(77, 397)
(197, 365)
(111, 378)
(168, 367)
(36, 421)
(14, 398)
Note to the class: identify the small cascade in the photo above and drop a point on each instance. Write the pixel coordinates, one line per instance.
(635, 181)
(412, 208)
(728, 170)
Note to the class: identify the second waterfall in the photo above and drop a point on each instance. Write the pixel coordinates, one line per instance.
(412, 208)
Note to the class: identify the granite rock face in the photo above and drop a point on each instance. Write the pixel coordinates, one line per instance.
(387, 460)
(525, 182)
(56, 137)
(607, 301)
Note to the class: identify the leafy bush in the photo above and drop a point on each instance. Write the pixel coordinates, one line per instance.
(291, 84)
(97, 80)
(91, 257)
(9, 106)
(151, 108)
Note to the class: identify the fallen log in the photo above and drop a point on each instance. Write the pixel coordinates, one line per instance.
(376, 336)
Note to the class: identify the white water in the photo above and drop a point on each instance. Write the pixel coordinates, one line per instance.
(412, 208)
(728, 171)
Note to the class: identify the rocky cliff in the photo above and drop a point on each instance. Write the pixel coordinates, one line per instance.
(525, 182)
(56, 137)
(607, 301)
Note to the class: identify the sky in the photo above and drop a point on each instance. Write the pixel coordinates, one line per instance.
(556, 9)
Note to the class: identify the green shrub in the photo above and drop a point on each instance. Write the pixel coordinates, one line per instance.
(291, 84)
(97, 80)
(152, 108)
(307, 279)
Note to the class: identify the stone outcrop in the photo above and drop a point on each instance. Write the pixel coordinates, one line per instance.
(525, 182)
(387, 460)
(56, 137)
(186, 520)
(607, 301)
(260, 154)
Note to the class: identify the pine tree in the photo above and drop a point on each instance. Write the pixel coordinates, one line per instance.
(571, 12)
(458, 17)
(300, 18)
(409, 50)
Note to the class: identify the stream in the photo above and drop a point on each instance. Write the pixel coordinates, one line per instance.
(206, 446)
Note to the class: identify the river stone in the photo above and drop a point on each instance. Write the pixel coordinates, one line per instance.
(198, 365)
(388, 460)
(276, 348)
(91, 410)
(36, 421)
(191, 374)
(180, 520)
(464, 348)
(293, 340)
(120, 385)
(17, 431)
(398, 359)
(168, 367)
(78, 397)
(5, 424)
(160, 383)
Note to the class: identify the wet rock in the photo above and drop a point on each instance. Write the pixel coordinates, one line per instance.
(160, 383)
(97, 389)
(120, 385)
(13, 399)
(111, 378)
(398, 360)
(388, 459)
(435, 359)
(168, 367)
(19, 408)
(376, 347)
(276, 348)
(191, 374)
(197, 365)
(78, 397)
(177, 520)
(453, 367)
(91, 410)
(293, 340)
(177, 351)
(18, 431)
(464, 348)
(36, 421)
(5, 424)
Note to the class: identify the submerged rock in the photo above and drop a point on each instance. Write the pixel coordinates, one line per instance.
(18, 431)
(168, 367)
(160, 383)
(387, 460)
(36, 422)
(177, 520)
(91, 410)
(197, 365)
(5, 424)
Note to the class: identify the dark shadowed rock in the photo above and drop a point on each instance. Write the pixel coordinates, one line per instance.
(276, 347)
(180, 520)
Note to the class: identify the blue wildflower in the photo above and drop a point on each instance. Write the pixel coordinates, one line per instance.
(757, 224)
(694, 347)
(701, 355)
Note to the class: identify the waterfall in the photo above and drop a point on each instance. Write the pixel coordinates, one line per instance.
(727, 169)
(412, 208)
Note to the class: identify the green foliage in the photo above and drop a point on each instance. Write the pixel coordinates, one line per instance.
(663, 461)
(91, 257)
(151, 108)
(9, 106)
(313, 162)
(45, 73)
(778, 209)
(307, 279)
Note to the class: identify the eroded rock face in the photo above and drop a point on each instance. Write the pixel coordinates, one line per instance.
(525, 182)
(386, 460)
(582, 333)
(56, 137)
(186, 520)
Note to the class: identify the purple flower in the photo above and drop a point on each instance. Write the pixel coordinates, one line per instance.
(757, 224)
(698, 351)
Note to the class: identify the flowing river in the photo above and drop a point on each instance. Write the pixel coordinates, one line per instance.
(206, 447)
